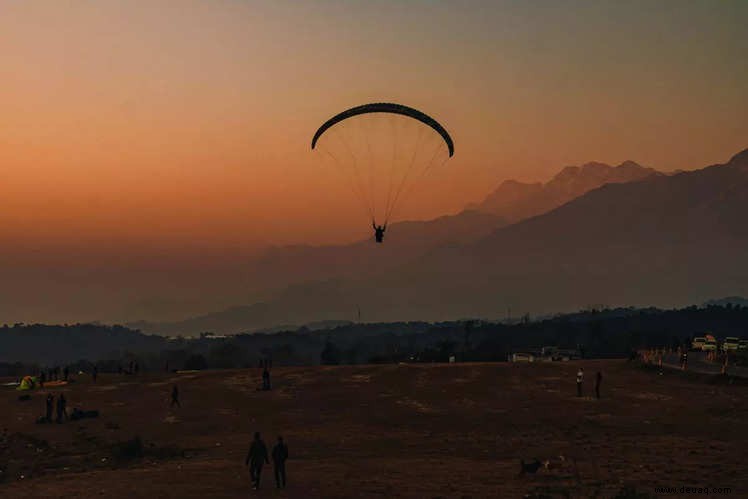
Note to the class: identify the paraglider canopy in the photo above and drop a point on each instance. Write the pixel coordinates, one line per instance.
(384, 149)
(387, 107)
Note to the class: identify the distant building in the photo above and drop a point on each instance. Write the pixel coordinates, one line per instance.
(545, 354)
(212, 336)
(522, 357)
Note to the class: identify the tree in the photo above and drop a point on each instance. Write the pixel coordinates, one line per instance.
(195, 362)
(330, 355)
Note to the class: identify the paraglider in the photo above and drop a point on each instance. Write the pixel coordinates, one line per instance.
(385, 149)
(378, 231)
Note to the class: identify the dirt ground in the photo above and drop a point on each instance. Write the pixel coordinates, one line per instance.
(421, 431)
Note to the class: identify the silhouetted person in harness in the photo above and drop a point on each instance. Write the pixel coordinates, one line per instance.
(280, 454)
(378, 231)
(258, 454)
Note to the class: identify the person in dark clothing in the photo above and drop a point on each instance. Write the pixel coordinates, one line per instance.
(65, 373)
(265, 379)
(258, 454)
(42, 379)
(598, 380)
(50, 407)
(94, 374)
(378, 231)
(61, 408)
(175, 397)
(280, 454)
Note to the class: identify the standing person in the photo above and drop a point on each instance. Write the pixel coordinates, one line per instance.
(50, 407)
(598, 380)
(280, 454)
(65, 373)
(175, 397)
(61, 405)
(580, 377)
(94, 373)
(258, 454)
(265, 379)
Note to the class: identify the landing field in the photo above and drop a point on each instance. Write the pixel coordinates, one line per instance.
(420, 431)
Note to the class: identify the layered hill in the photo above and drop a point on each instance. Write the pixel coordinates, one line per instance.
(663, 240)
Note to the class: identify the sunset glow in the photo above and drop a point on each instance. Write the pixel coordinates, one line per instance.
(163, 131)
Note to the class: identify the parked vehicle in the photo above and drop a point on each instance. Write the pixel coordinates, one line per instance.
(698, 343)
(730, 344)
(710, 345)
(743, 345)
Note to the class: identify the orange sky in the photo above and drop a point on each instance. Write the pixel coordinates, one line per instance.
(147, 127)
(167, 121)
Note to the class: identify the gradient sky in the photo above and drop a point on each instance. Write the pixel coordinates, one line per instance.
(165, 129)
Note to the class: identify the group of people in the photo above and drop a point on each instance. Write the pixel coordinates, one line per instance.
(258, 456)
(53, 374)
(580, 382)
(62, 404)
(132, 368)
(655, 356)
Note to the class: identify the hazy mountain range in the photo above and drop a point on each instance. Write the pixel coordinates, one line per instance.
(515, 201)
(595, 234)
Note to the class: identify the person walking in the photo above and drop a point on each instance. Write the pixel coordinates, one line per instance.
(61, 408)
(580, 377)
(175, 397)
(256, 457)
(280, 454)
(598, 380)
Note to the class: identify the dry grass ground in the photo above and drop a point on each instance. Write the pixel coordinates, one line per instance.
(421, 431)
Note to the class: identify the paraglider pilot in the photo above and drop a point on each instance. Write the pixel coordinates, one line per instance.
(378, 231)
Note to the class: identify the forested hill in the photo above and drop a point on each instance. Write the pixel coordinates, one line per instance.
(606, 333)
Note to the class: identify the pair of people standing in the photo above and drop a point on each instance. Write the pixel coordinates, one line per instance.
(258, 455)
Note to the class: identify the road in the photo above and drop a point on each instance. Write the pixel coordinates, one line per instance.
(697, 363)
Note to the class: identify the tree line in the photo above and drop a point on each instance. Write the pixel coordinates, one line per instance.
(607, 333)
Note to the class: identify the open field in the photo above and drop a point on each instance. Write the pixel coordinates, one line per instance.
(384, 431)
